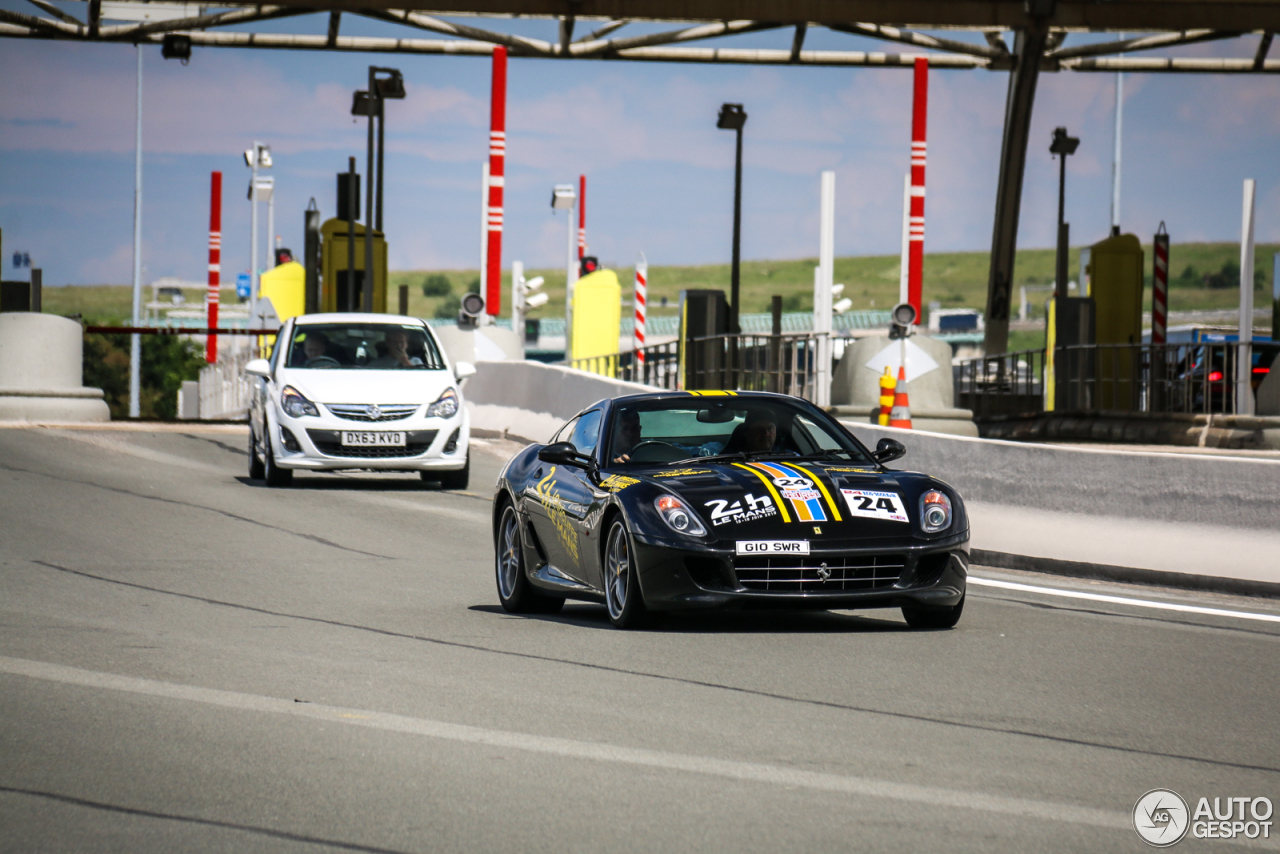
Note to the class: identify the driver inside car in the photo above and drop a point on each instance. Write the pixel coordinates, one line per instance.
(628, 435)
(315, 347)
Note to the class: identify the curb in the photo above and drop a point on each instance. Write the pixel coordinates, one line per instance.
(1132, 575)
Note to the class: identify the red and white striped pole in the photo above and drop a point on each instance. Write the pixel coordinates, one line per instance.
(582, 217)
(497, 156)
(642, 279)
(215, 265)
(915, 257)
(1160, 288)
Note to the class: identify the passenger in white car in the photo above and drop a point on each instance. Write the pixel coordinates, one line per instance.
(397, 355)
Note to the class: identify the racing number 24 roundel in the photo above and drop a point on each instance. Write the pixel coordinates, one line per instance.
(875, 504)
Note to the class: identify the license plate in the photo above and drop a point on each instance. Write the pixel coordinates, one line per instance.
(373, 440)
(773, 547)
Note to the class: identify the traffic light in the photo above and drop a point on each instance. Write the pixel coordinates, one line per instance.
(590, 264)
(472, 308)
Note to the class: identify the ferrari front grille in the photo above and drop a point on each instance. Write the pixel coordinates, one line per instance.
(364, 412)
(817, 574)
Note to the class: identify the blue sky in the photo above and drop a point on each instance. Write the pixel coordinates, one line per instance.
(659, 172)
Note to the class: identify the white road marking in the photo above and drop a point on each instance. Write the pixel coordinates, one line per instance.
(752, 772)
(1122, 600)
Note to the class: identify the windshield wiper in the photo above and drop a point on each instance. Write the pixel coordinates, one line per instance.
(717, 458)
(823, 455)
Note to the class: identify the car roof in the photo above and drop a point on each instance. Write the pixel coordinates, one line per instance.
(357, 317)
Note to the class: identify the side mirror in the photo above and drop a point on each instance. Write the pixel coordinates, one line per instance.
(888, 450)
(462, 370)
(258, 368)
(562, 453)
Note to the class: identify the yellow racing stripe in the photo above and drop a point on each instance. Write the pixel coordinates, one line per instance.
(777, 499)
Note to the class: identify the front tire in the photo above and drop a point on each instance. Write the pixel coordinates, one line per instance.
(945, 617)
(256, 469)
(459, 479)
(272, 473)
(516, 593)
(621, 584)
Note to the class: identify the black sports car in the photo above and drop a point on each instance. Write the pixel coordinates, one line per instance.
(685, 500)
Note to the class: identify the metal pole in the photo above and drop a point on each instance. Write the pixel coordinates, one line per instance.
(571, 269)
(904, 264)
(382, 121)
(920, 111)
(1060, 277)
(1028, 50)
(497, 179)
(253, 231)
(517, 300)
(1115, 157)
(1244, 358)
(484, 228)
(641, 307)
(271, 228)
(582, 217)
(135, 340)
(366, 292)
(215, 264)
(822, 295)
(353, 199)
(1275, 298)
(311, 253)
(734, 276)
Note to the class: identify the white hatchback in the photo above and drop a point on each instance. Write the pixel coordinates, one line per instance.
(358, 391)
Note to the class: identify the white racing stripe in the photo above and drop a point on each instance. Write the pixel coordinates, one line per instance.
(1123, 600)
(751, 772)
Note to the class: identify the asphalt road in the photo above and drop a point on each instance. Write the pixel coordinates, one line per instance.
(192, 662)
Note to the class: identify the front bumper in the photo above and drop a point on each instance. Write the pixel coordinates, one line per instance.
(675, 577)
(315, 443)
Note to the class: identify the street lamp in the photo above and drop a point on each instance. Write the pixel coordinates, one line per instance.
(258, 157)
(733, 117)
(1062, 146)
(384, 84)
(563, 198)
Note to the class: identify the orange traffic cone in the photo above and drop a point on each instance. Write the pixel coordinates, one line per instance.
(886, 397)
(901, 414)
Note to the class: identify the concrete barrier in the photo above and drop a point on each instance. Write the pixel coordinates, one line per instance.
(1167, 487)
(40, 371)
(529, 401)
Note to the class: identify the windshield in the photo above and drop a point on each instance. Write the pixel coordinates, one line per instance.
(363, 346)
(666, 431)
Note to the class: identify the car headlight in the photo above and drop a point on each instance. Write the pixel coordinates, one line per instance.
(295, 405)
(678, 516)
(446, 405)
(935, 512)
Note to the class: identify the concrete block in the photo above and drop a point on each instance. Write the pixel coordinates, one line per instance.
(854, 384)
(189, 400)
(486, 344)
(40, 371)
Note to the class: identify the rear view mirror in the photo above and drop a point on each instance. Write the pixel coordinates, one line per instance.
(888, 450)
(462, 370)
(258, 368)
(563, 453)
(715, 415)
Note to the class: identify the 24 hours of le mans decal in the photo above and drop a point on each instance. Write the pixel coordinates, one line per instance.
(875, 504)
(797, 489)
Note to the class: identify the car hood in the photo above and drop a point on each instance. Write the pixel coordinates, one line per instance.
(368, 386)
(779, 500)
